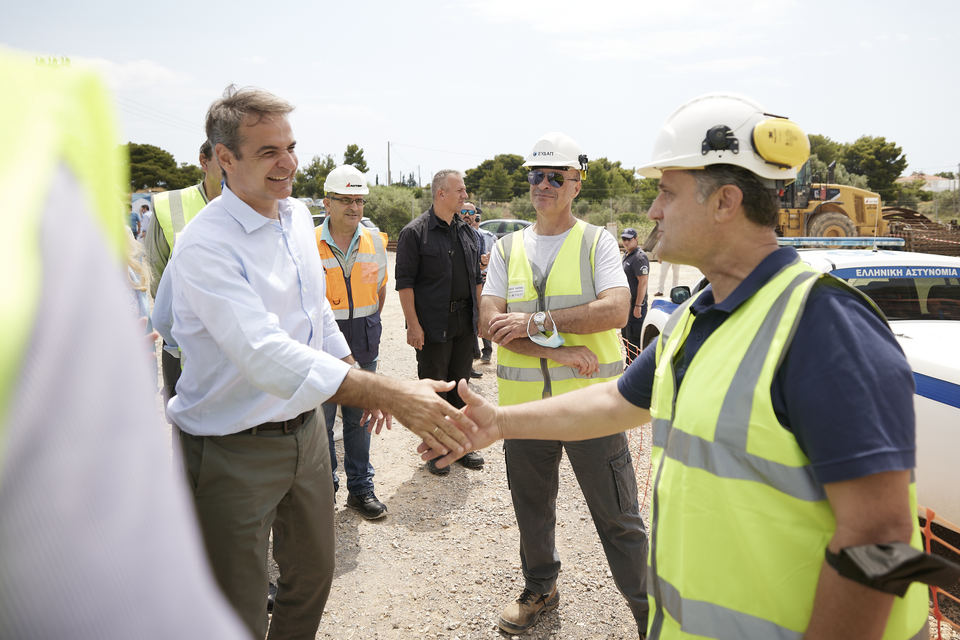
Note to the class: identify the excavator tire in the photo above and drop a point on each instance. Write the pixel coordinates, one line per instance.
(832, 224)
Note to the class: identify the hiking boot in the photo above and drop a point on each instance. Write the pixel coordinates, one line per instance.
(367, 505)
(435, 470)
(472, 460)
(524, 613)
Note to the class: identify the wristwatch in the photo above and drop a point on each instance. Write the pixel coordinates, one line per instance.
(538, 319)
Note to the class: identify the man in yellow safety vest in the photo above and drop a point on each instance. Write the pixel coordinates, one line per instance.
(562, 276)
(172, 211)
(782, 410)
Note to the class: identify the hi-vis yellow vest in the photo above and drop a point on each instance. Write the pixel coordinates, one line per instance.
(58, 117)
(569, 283)
(174, 209)
(368, 275)
(739, 524)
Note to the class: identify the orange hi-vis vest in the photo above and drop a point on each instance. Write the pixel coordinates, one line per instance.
(361, 297)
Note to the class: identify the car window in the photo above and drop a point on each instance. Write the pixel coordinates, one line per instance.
(913, 298)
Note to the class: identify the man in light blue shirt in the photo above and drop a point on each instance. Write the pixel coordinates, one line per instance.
(244, 299)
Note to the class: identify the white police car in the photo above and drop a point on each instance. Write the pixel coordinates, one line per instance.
(920, 295)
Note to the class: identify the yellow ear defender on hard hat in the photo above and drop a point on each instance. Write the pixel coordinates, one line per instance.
(781, 142)
(777, 140)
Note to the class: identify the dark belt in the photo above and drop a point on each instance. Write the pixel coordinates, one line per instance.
(457, 305)
(287, 426)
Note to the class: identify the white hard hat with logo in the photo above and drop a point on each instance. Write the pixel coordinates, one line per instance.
(556, 149)
(725, 128)
(346, 180)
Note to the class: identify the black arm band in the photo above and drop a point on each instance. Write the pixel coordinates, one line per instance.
(892, 567)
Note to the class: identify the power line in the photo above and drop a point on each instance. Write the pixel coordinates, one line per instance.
(456, 153)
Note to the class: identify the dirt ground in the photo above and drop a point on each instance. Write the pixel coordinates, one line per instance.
(445, 560)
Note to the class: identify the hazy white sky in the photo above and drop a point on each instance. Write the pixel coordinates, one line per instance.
(453, 83)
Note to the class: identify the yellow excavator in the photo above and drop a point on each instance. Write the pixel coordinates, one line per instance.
(829, 210)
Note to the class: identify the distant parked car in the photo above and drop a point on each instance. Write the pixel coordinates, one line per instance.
(307, 201)
(502, 226)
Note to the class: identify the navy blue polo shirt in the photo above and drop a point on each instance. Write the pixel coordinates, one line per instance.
(844, 389)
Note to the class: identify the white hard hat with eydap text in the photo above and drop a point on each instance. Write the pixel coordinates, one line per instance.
(556, 149)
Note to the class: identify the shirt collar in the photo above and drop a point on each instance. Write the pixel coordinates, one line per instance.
(246, 215)
(435, 220)
(761, 274)
(326, 236)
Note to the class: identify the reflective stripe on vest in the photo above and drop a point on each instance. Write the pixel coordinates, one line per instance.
(569, 283)
(60, 117)
(367, 276)
(742, 519)
(174, 209)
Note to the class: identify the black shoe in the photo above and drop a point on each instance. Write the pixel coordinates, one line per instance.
(368, 505)
(271, 596)
(485, 358)
(475, 374)
(435, 470)
(472, 460)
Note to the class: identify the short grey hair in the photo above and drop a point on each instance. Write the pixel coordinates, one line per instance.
(225, 115)
(440, 178)
(206, 150)
(759, 200)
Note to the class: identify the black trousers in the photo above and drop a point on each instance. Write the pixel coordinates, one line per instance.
(170, 367)
(453, 359)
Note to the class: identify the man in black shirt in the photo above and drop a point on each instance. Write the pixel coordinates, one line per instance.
(637, 268)
(438, 279)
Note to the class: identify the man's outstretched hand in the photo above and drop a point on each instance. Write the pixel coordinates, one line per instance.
(481, 413)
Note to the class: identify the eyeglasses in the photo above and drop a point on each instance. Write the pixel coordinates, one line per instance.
(467, 212)
(349, 201)
(554, 178)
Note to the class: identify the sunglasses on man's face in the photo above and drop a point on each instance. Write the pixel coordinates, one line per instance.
(554, 178)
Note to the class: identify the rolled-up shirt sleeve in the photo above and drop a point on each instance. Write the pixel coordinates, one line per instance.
(213, 287)
(405, 272)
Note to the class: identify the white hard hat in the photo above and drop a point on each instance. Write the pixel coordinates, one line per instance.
(347, 180)
(556, 149)
(725, 128)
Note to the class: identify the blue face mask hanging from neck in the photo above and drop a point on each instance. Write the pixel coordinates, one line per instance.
(552, 341)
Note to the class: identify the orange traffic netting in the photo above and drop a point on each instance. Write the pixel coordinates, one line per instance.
(635, 438)
(942, 538)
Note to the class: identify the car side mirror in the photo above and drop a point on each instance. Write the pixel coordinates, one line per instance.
(680, 294)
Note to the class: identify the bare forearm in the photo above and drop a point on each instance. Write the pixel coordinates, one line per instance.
(366, 390)
(526, 347)
(610, 311)
(873, 509)
(409, 307)
(641, 290)
(591, 412)
(844, 609)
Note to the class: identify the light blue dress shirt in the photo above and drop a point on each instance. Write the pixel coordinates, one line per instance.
(244, 298)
